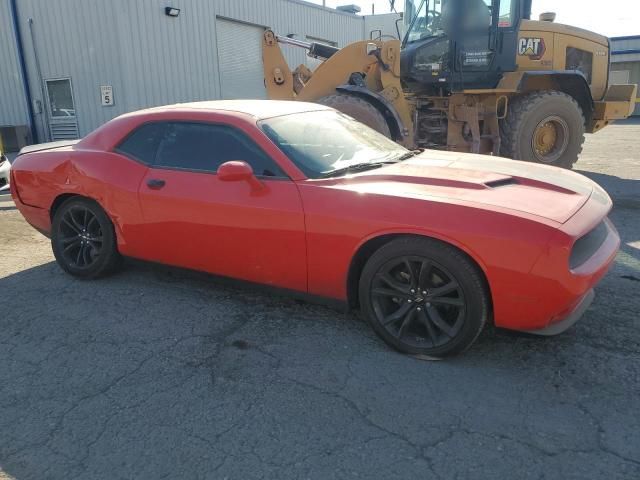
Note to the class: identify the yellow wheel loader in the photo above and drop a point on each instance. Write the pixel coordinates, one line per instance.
(471, 76)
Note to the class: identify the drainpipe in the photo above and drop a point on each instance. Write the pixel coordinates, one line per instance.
(45, 125)
(23, 70)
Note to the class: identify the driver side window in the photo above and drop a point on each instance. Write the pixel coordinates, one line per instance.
(195, 146)
(204, 147)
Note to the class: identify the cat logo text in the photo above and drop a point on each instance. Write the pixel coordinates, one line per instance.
(533, 48)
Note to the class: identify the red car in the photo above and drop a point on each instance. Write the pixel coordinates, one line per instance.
(430, 246)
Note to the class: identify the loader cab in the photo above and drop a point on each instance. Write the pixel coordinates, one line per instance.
(456, 45)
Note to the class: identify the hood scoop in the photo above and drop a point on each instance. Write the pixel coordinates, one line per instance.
(505, 182)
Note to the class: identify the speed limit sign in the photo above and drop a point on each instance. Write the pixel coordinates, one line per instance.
(106, 93)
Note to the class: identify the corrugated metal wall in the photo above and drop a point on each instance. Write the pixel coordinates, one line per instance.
(386, 23)
(13, 108)
(149, 58)
(634, 76)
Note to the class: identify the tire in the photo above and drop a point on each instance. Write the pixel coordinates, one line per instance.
(442, 320)
(83, 239)
(359, 109)
(550, 120)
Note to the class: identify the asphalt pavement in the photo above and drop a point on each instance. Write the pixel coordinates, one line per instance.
(162, 373)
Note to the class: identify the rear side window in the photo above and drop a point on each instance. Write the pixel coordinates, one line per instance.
(143, 143)
(204, 147)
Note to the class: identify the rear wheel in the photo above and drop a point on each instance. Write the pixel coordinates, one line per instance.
(544, 127)
(424, 297)
(359, 109)
(83, 239)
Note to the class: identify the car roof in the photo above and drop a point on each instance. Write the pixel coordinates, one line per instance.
(103, 137)
(258, 109)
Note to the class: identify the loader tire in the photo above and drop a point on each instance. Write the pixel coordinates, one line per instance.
(544, 127)
(359, 109)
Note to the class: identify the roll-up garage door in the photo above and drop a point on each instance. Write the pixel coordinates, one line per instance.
(240, 60)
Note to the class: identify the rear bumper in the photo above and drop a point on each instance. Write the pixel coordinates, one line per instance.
(38, 218)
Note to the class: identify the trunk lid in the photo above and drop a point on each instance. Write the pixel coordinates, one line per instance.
(47, 146)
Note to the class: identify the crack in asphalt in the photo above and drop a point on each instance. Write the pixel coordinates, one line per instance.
(187, 377)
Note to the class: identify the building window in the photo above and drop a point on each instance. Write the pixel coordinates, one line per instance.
(60, 98)
(321, 40)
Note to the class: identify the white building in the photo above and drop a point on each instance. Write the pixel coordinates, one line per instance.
(625, 62)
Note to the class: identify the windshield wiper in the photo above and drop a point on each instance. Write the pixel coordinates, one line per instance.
(358, 167)
(409, 155)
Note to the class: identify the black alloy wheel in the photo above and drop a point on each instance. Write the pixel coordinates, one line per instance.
(83, 239)
(418, 302)
(424, 297)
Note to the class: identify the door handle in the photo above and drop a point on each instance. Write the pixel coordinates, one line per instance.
(155, 184)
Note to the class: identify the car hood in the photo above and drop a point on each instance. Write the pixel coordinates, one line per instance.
(548, 192)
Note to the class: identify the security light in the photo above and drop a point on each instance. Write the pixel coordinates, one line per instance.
(171, 11)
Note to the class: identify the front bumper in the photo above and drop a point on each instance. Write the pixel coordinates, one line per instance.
(552, 296)
(561, 325)
(5, 169)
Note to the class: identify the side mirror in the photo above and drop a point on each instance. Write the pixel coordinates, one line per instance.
(238, 171)
(235, 171)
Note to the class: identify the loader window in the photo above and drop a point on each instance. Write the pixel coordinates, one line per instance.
(580, 60)
(442, 17)
(427, 21)
(324, 141)
(506, 13)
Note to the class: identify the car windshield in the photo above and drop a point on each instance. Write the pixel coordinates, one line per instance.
(324, 142)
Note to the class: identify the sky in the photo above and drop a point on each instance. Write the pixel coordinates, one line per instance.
(612, 17)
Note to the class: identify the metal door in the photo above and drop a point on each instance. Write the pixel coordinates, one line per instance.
(61, 111)
(240, 60)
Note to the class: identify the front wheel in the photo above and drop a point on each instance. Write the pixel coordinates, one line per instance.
(424, 297)
(359, 109)
(83, 239)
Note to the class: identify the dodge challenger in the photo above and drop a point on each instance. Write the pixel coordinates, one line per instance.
(429, 246)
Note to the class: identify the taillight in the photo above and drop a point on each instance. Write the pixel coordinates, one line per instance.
(13, 187)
